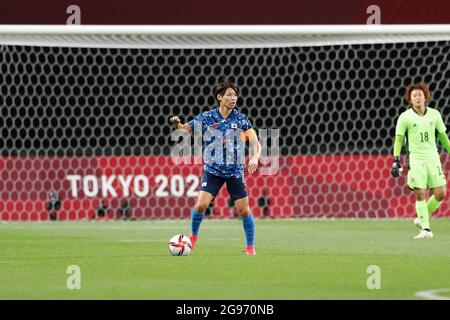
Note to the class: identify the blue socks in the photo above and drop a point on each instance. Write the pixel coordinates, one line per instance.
(196, 219)
(249, 229)
(248, 223)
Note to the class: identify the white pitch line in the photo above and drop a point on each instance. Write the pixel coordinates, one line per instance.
(432, 294)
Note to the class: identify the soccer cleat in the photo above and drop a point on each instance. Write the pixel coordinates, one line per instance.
(424, 234)
(250, 251)
(193, 240)
(417, 223)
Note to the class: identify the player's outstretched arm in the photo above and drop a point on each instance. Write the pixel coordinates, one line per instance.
(176, 122)
(396, 166)
(444, 141)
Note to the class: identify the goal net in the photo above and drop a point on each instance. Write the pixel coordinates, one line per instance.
(85, 109)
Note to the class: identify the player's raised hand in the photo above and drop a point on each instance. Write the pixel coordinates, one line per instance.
(175, 121)
(396, 168)
(252, 165)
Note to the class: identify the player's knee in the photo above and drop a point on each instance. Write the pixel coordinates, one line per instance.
(421, 195)
(440, 195)
(201, 207)
(244, 212)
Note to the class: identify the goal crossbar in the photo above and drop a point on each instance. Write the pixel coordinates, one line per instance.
(216, 36)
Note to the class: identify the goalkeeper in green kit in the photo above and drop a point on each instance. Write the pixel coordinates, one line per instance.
(420, 125)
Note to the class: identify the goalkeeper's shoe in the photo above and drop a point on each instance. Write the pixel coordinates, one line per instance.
(250, 251)
(417, 223)
(424, 234)
(193, 241)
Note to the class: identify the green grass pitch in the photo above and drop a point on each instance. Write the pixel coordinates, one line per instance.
(296, 259)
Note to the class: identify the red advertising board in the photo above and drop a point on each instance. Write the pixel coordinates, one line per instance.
(332, 186)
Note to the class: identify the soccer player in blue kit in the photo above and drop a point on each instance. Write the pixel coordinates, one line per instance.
(224, 131)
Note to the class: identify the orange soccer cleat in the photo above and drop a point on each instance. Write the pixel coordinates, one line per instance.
(193, 240)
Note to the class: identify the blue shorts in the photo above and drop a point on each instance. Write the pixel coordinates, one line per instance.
(212, 184)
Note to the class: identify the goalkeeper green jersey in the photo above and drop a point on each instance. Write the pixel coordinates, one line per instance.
(421, 132)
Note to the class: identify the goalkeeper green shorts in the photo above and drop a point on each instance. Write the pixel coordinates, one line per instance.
(425, 174)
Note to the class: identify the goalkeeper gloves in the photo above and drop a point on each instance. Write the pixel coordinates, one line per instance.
(396, 167)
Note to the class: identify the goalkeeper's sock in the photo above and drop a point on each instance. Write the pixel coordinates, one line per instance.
(422, 212)
(433, 205)
(196, 220)
(249, 229)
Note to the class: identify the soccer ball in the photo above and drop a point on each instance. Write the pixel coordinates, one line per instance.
(180, 245)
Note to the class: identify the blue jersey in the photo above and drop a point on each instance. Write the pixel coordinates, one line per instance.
(223, 148)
